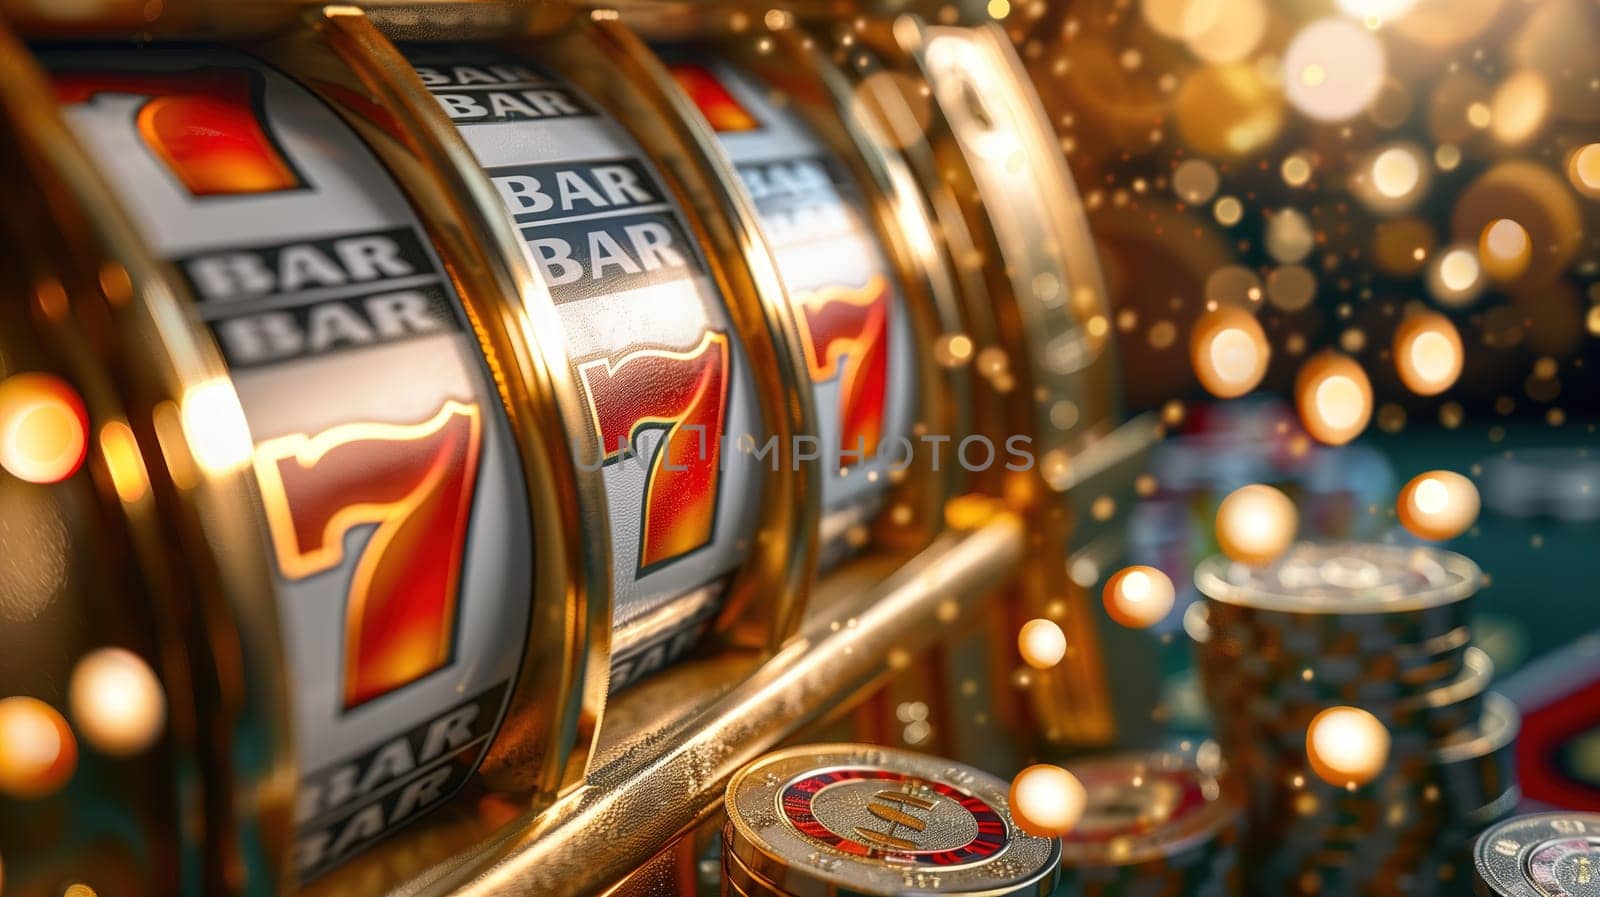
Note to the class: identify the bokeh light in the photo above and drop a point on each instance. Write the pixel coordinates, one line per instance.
(1518, 107)
(1047, 801)
(1347, 746)
(1228, 110)
(1296, 170)
(1427, 353)
(1195, 181)
(1332, 69)
(1583, 169)
(1454, 277)
(124, 464)
(1229, 351)
(1289, 236)
(116, 701)
(1139, 597)
(1041, 643)
(214, 427)
(1377, 11)
(38, 753)
(1391, 179)
(1505, 249)
(1396, 172)
(1233, 31)
(1291, 287)
(1256, 524)
(1438, 505)
(43, 428)
(1179, 19)
(1334, 398)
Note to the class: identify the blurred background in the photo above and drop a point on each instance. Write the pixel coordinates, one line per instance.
(1331, 168)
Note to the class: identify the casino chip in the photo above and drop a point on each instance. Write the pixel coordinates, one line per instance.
(1383, 628)
(840, 819)
(1543, 855)
(1154, 824)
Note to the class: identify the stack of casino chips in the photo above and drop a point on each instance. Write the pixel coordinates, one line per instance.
(1382, 628)
(1540, 855)
(1153, 824)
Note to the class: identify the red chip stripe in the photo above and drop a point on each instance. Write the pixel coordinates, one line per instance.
(797, 799)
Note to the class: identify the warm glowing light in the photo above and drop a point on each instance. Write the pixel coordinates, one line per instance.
(1234, 30)
(1427, 353)
(1583, 168)
(1041, 643)
(1047, 801)
(1347, 746)
(1180, 19)
(1256, 524)
(1396, 172)
(1296, 170)
(1505, 249)
(121, 452)
(1376, 10)
(37, 751)
(1438, 505)
(1291, 287)
(1519, 106)
(1228, 211)
(896, 101)
(116, 701)
(1333, 68)
(1334, 398)
(1139, 597)
(215, 428)
(1195, 181)
(1289, 236)
(1228, 110)
(1229, 351)
(1455, 278)
(43, 428)
(1504, 238)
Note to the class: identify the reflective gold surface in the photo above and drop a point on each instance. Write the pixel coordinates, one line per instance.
(672, 743)
(812, 84)
(983, 155)
(767, 597)
(118, 323)
(562, 683)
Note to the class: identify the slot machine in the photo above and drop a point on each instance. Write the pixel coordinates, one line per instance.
(446, 441)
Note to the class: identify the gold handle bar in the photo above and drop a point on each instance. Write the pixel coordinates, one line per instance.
(650, 783)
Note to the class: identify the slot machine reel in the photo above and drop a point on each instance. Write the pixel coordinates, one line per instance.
(961, 159)
(400, 521)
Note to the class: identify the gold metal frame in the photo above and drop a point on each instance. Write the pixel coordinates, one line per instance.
(672, 742)
(139, 355)
(562, 684)
(544, 745)
(1069, 704)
